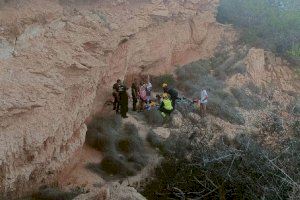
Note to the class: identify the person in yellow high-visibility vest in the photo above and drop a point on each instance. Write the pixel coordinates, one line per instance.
(166, 105)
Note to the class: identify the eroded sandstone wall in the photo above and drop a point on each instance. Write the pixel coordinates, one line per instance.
(59, 60)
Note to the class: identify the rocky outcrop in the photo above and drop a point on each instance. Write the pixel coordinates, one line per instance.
(59, 60)
(264, 69)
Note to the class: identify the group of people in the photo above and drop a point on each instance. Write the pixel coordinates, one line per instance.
(141, 94)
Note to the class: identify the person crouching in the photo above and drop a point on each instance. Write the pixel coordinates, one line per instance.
(166, 107)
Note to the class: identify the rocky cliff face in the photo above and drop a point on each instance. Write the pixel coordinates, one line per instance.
(58, 60)
(265, 70)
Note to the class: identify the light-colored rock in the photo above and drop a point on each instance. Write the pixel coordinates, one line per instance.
(100, 194)
(177, 118)
(264, 69)
(195, 118)
(122, 192)
(6, 49)
(162, 132)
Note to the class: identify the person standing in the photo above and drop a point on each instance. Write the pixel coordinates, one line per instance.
(116, 96)
(172, 92)
(148, 91)
(142, 96)
(203, 102)
(134, 93)
(123, 100)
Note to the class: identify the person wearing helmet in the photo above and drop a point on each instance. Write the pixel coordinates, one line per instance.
(172, 92)
(166, 105)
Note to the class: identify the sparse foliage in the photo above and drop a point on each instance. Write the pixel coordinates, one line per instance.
(123, 149)
(236, 168)
(265, 23)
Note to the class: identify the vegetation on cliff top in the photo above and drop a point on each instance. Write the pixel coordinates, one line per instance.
(269, 24)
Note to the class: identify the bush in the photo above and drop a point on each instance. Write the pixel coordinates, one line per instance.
(226, 112)
(296, 128)
(123, 149)
(55, 193)
(114, 165)
(253, 88)
(272, 124)
(102, 132)
(296, 108)
(248, 102)
(239, 67)
(154, 140)
(157, 81)
(236, 168)
(222, 104)
(268, 24)
(194, 77)
(153, 117)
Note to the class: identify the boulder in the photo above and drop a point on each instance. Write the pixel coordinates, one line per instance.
(176, 119)
(118, 191)
(194, 118)
(162, 132)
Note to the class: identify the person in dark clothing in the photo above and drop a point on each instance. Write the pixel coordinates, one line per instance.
(123, 100)
(134, 93)
(116, 96)
(172, 92)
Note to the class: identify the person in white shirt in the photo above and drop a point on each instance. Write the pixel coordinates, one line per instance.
(203, 101)
(148, 90)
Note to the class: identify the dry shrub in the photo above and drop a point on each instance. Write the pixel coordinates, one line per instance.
(246, 101)
(154, 140)
(196, 76)
(123, 149)
(114, 165)
(157, 81)
(154, 117)
(222, 104)
(236, 168)
(273, 124)
(296, 107)
(55, 193)
(296, 128)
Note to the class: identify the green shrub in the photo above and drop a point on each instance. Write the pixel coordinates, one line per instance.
(264, 23)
